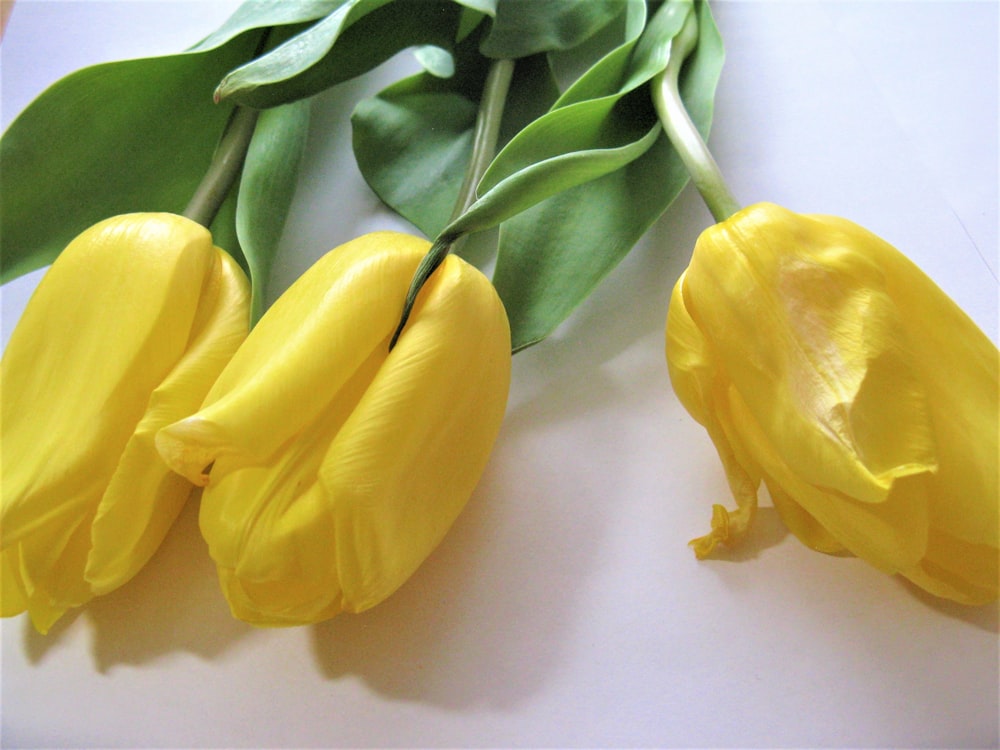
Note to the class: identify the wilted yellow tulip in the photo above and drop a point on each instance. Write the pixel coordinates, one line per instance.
(825, 364)
(333, 465)
(125, 333)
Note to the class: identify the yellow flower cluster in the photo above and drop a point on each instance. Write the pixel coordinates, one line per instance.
(820, 360)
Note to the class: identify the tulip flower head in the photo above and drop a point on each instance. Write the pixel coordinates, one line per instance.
(333, 465)
(823, 363)
(125, 333)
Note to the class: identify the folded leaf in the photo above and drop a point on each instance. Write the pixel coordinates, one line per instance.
(554, 254)
(356, 37)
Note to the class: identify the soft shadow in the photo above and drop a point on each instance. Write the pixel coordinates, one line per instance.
(985, 617)
(173, 604)
(36, 645)
(485, 620)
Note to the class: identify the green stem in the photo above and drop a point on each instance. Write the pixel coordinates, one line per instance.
(484, 144)
(683, 133)
(484, 139)
(227, 161)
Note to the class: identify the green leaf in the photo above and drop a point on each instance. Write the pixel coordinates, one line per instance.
(356, 37)
(411, 144)
(267, 186)
(262, 14)
(413, 141)
(553, 175)
(527, 27)
(135, 135)
(553, 255)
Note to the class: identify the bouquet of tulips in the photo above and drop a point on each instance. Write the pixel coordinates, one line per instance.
(331, 438)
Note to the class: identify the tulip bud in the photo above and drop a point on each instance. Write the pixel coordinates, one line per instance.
(125, 333)
(333, 465)
(825, 364)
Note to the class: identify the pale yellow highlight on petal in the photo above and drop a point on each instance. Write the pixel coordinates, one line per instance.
(824, 362)
(802, 324)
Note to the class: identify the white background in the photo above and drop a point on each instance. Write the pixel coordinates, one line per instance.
(564, 609)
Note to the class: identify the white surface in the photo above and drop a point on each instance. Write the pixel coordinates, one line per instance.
(564, 608)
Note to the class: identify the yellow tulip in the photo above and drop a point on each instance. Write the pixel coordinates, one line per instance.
(125, 334)
(333, 465)
(825, 364)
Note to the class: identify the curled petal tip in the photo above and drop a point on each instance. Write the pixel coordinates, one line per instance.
(725, 530)
(189, 448)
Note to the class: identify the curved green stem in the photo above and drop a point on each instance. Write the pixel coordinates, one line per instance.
(225, 167)
(487, 132)
(683, 133)
(484, 144)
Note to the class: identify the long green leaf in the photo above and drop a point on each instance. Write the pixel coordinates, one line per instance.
(553, 255)
(539, 181)
(266, 190)
(599, 125)
(127, 136)
(352, 40)
(262, 14)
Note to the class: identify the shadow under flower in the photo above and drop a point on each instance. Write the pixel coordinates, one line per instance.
(985, 617)
(476, 625)
(172, 604)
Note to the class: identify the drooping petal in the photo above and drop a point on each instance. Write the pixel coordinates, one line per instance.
(703, 389)
(820, 357)
(807, 332)
(97, 337)
(144, 496)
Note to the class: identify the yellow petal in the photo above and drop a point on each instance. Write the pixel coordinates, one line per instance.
(704, 391)
(959, 369)
(126, 332)
(301, 353)
(804, 326)
(325, 449)
(13, 598)
(822, 360)
(144, 496)
(412, 451)
(99, 334)
(48, 569)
